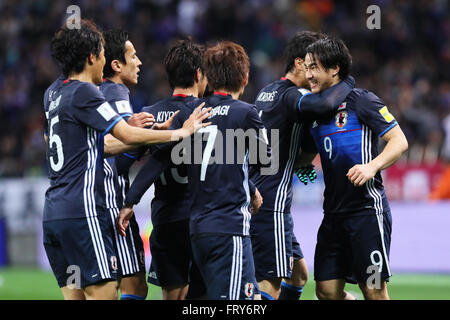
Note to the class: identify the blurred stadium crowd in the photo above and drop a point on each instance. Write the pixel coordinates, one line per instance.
(406, 62)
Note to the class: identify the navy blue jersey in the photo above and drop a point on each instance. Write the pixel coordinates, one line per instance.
(78, 117)
(220, 188)
(350, 137)
(172, 199)
(49, 96)
(116, 168)
(284, 107)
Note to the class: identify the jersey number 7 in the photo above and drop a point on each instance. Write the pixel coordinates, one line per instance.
(212, 130)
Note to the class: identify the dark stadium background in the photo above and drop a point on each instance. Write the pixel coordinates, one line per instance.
(406, 62)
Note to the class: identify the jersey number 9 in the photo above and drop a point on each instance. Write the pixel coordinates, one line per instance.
(328, 146)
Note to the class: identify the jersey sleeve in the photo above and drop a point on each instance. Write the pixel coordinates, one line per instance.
(46, 102)
(91, 108)
(307, 143)
(263, 155)
(305, 105)
(374, 113)
(157, 163)
(119, 99)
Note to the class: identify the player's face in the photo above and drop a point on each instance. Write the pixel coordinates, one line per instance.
(99, 63)
(301, 74)
(202, 83)
(319, 79)
(130, 70)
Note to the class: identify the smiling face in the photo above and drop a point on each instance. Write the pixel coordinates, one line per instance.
(318, 77)
(129, 70)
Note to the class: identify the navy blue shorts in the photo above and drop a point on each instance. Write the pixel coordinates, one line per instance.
(83, 244)
(172, 263)
(226, 265)
(274, 245)
(353, 248)
(130, 249)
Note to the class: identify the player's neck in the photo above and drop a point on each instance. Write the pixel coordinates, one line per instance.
(116, 79)
(290, 76)
(335, 81)
(192, 91)
(83, 76)
(236, 95)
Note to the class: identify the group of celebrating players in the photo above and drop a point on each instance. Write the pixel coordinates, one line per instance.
(221, 229)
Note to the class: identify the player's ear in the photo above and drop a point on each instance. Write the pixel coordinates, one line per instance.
(298, 62)
(245, 81)
(335, 71)
(91, 59)
(115, 65)
(198, 75)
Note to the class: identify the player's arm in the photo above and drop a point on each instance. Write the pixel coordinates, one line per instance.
(303, 167)
(157, 163)
(382, 123)
(261, 158)
(256, 199)
(307, 105)
(138, 136)
(113, 146)
(396, 145)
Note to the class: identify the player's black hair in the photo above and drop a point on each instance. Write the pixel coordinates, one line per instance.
(71, 47)
(114, 49)
(182, 61)
(296, 47)
(332, 52)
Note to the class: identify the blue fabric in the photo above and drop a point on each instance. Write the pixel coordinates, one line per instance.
(266, 296)
(131, 297)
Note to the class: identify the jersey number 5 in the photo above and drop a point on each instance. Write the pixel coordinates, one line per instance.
(54, 139)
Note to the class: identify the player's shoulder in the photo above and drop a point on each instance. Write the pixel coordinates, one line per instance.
(155, 106)
(273, 91)
(52, 90)
(82, 88)
(56, 84)
(242, 106)
(360, 95)
(114, 91)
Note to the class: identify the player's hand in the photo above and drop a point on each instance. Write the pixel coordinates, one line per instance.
(306, 173)
(165, 125)
(256, 202)
(141, 120)
(194, 122)
(123, 219)
(361, 173)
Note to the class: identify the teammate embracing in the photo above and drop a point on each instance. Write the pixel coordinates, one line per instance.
(284, 106)
(77, 229)
(354, 238)
(172, 266)
(121, 72)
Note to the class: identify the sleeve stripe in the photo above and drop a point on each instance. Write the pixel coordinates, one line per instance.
(129, 156)
(300, 100)
(113, 124)
(387, 129)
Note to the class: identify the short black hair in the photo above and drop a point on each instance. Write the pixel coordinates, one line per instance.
(182, 61)
(114, 49)
(332, 52)
(296, 47)
(71, 47)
